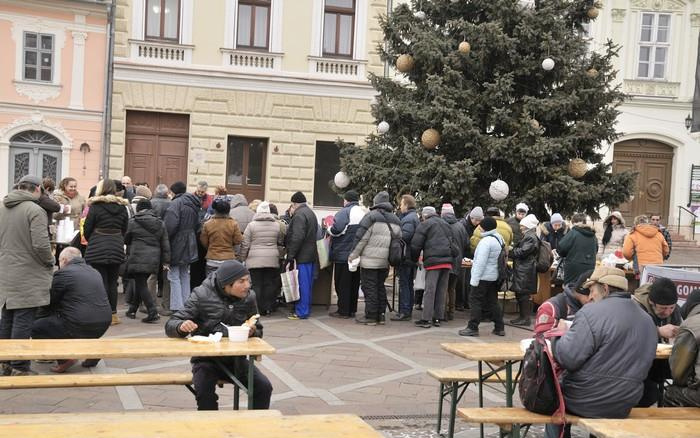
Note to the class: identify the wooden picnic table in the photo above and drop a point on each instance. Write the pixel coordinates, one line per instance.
(222, 425)
(139, 348)
(644, 428)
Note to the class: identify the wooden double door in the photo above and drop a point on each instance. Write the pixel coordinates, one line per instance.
(156, 147)
(653, 162)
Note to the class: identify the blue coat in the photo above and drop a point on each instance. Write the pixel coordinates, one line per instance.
(485, 263)
(343, 231)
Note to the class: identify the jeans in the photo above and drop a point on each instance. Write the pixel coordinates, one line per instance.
(206, 374)
(347, 287)
(267, 284)
(306, 286)
(17, 324)
(434, 295)
(375, 291)
(179, 277)
(110, 276)
(407, 273)
(485, 297)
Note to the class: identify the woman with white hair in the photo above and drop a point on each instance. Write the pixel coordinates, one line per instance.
(262, 247)
(524, 256)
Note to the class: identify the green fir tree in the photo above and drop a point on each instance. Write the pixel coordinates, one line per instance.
(499, 113)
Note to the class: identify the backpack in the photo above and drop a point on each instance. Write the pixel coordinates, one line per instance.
(544, 257)
(397, 248)
(503, 270)
(538, 385)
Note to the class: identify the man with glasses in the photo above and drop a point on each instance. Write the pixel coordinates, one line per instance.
(656, 221)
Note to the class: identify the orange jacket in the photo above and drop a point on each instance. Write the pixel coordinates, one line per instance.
(647, 242)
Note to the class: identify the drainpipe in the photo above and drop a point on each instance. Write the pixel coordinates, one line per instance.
(389, 8)
(109, 77)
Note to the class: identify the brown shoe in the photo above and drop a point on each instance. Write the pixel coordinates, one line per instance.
(115, 319)
(63, 365)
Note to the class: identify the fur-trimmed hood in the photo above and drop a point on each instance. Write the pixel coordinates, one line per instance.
(546, 228)
(616, 214)
(108, 199)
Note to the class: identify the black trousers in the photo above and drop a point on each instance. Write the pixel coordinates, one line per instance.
(55, 327)
(142, 294)
(267, 284)
(17, 324)
(375, 291)
(660, 370)
(347, 286)
(205, 375)
(110, 275)
(485, 296)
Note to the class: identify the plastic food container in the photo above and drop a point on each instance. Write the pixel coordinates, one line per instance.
(238, 333)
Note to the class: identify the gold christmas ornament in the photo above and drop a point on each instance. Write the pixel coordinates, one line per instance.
(405, 63)
(430, 138)
(593, 13)
(535, 124)
(592, 73)
(464, 47)
(577, 168)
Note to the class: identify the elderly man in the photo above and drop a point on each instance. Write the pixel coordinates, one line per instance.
(301, 250)
(224, 299)
(27, 263)
(129, 190)
(606, 353)
(79, 306)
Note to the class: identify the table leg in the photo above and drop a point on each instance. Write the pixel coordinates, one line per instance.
(481, 396)
(510, 389)
(251, 374)
(238, 383)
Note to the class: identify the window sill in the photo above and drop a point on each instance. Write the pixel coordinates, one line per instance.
(246, 60)
(651, 88)
(337, 68)
(38, 91)
(161, 52)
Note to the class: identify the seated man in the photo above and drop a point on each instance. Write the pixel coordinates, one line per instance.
(685, 360)
(79, 306)
(223, 299)
(658, 300)
(606, 352)
(563, 305)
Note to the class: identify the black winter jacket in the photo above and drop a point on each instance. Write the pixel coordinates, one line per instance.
(524, 256)
(580, 247)
(343, 231)
(209, 306)
(301, 236)
(104, 229)
(147, 244)
(434, 238)
(78, 295)
(409, 224)
(181, 224)
(459, 233)
(469, 228)
(160, 206)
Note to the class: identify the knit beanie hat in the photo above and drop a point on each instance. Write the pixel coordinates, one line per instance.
(493, 211)
(530, 221)
(663, 292)
(351, 196)
(143, 204)
(298, 198)
(144, 192)
(556, 219)
(381, 197)
(178, 188)
(522, 207)
(428, 212)
(692, 301)
(263, 207)
(477, 213)
(446, 209)
(221, 206)
(230, 271)
(488, 224)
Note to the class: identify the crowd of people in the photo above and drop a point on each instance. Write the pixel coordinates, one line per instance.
(212, 260)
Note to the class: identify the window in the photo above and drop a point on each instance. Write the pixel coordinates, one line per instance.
(654, 46)
(163, 19)
(338, 27)
(38, 57)
(34, 153)
(253, 24)
(326, 166)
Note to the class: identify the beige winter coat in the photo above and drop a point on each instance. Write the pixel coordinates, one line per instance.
(263, 242)
(77, 204)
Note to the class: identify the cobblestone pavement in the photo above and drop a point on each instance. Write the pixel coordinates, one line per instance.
(322, 365)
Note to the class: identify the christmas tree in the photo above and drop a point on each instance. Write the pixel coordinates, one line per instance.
(507, 90)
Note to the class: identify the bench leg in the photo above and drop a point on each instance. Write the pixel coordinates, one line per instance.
(442, 397)
(481, 396)
(453, 410)
(236, 396)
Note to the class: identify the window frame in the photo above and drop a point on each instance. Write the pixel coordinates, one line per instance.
(339, 11)
(254, 4)
(652, 45)
(147, 37)
(39, 51)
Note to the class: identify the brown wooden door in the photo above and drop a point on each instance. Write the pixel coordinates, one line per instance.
(653, 161)
(245, 166)
(156, 147)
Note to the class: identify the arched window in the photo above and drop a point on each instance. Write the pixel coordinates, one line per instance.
(35, 153)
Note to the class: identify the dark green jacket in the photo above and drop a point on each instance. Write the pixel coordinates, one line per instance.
(579, 246)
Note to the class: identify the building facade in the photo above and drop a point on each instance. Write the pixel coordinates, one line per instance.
(52, 89)
(249, 94)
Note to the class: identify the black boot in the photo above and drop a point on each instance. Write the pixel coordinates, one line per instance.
(525, 306)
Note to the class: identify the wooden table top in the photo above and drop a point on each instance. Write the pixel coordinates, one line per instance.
(219, 426)
(132, 348)
(642, 428)
(118, 417)
(500, 351)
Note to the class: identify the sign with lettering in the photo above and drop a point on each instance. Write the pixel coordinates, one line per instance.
(686, 278)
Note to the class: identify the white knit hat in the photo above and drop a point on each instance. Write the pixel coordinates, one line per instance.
(522, 206)
(530, 221)
(263, 207)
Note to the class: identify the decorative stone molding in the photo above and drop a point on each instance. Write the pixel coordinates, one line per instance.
(161, 53)
(252, 61)
(333, 68)
(618, 15)
(79, 37)
(659, 5)
(695, 20)
(37, 122)
(651, 88)
(37, 92)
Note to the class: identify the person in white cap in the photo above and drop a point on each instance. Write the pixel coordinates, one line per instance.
(524, 256)
(521, 210)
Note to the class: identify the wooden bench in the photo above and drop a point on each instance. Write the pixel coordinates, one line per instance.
(453, 384)
(506, 417)
(133, 416)
(84, 380)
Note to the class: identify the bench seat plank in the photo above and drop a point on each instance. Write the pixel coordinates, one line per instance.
(88, 380)
(472, 376)
(119, 417)
(642, 428)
